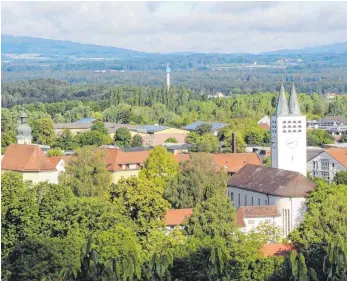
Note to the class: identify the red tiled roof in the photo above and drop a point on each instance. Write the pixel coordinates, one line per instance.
(255, 212)
(231, 162)
(26, 158)
(264, 126)
(177, 216)
(276, 249)
(115, 158)
(56, 159)
(339, 154)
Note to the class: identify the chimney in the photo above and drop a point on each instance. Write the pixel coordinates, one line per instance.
(234, 142)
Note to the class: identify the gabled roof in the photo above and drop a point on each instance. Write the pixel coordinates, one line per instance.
(177, 216)
(26, 158)
(277, 249)
(264, 126)
(339, 154)
(255, 212)
(312, 152)
(56, 159)
(215, 126)
(231, 162)
(115, 158)
(150, 128)
(272, 181)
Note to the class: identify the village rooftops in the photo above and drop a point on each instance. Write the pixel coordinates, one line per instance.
(255, 212)
(272, 181)
(86, 120)
(177, 216)
(118, 160)
(231, 162)
(150, 128)
(339, 154)
(26, 158)
(56, 159)
(195, 125)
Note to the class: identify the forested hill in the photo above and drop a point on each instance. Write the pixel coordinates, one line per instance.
(46, 47)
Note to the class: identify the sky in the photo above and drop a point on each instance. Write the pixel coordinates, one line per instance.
(226, 27)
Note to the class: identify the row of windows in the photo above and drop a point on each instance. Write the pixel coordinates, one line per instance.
(284, 122)
(294, 126)
(266, 221)
(231, 196)
(290, 131)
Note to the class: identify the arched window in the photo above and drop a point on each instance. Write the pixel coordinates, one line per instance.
(284, 122)
(239, 199)
(299, 121)
(245, 200)
(284, 127)
(289, 122)
(294, 121)
(289, 126)
(252, 201)
(294, 131)
(284, 131)
(289, 131)
(299, 126)
(294, 126)
(299, 131)
(258, 201)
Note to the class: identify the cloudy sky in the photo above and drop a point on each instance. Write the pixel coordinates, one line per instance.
(181, 26)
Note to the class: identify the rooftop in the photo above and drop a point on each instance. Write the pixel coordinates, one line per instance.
(26, 158)
(151, 128)
(339, 154)
(255, 212)
(272, 181)
(86, 120)
(215, 126)
(277, 249)
(177, 216)
(56, 159)
(312, 152)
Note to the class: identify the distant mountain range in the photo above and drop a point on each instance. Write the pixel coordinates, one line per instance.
(51, 48)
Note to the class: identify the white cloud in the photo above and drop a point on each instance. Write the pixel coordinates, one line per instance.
(181, 26)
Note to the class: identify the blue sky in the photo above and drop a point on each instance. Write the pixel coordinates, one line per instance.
(227, 27)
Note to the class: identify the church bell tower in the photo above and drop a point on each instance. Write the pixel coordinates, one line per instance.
(288, 134)
(24, 130)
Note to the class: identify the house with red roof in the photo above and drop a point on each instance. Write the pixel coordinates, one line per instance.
(31, 162)
(176, 217)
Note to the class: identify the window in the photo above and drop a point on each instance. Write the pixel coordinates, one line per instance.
(299, 121)
(325, 165)
(294, 126)
(268, 221)
(265, 202)
(326, 176)
(123, 167)
(284, 122)
(232, 196)
(258, 201)
(284, 131)
(252, 201)
(289, 126)
(289, 122)
(132, 166)
(299, 126)
(294, 121)
(314, 165)
(294, 131)
(299, 131)
(245, 200)
(250, 221)
(289, 131)
(239, 199)
(284, 127)
(333, 165)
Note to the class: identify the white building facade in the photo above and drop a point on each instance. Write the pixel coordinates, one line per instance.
(288, 134)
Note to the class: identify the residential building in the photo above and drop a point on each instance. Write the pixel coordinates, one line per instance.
(124, 164)
(327, 163)
(157, 135)
(59, 162)
(31, 162)
(177, 148)
(250, 217)
(215, 127)
(230, 162)
(255, 185)
(288, 134)
(176, 217)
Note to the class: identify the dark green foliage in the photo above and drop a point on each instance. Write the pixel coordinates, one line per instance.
(343, 138)
(92, 138)
(341, 178)
(122, 137)
(317, 137)
(65, 140)
(203, 143)
(100, 127)
(171, 140)
(203, 128)
(137, 141)
(43, 131)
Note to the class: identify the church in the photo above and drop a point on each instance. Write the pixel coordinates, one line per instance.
(276, 194)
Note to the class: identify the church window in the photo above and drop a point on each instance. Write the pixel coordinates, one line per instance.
(289, 122)
(284, 127)
(299, 126)
(239, 199)
(284, 122)
(289, 131)
(289, 126)
(258, 201)
(299, 121)
(252, 201)
(299, 131)
(245, 200)
(294, 126)
(294, 131)
(284, 131)
(232, 196)
(294, 121)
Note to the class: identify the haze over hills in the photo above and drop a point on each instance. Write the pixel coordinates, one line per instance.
(47, 47)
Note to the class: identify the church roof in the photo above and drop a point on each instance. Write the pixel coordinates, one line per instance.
(26, 158)
(282, 106)
(255, 212)
(272, 181)
(294, 107)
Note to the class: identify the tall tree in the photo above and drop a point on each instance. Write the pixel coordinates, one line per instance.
(65, 140)
(86, 174)
(122, 137)
(43, 131)
(137, 141)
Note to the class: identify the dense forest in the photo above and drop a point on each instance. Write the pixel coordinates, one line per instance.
(88, 229)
